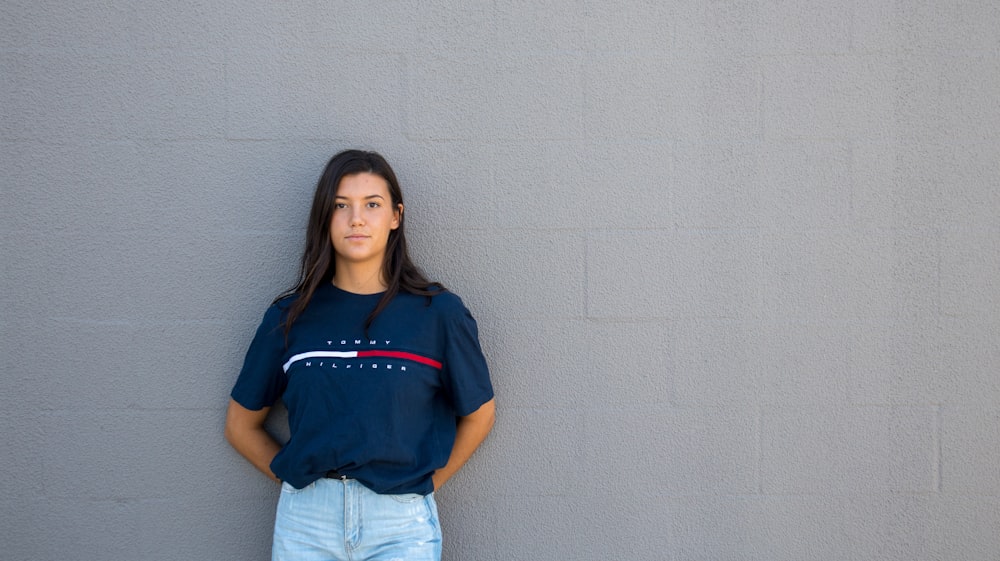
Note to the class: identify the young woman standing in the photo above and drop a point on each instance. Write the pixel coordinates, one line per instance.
(387, 390)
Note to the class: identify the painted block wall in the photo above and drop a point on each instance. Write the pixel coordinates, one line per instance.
(734, 264)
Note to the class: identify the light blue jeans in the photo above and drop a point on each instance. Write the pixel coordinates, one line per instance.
(342, 520)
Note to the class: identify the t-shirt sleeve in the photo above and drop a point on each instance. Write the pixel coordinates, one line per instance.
(466, 375)
(262, 378)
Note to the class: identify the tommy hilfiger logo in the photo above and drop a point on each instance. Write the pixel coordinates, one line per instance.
(400, 355)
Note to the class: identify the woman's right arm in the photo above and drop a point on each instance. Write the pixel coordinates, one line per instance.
(245, 432)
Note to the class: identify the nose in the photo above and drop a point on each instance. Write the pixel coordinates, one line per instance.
(356, 217)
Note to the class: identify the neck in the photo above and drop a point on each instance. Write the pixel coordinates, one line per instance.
(359, 278)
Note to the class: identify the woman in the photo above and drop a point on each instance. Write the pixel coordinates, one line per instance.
(387, 390)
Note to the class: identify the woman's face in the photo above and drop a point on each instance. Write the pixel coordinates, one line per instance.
(363, 216)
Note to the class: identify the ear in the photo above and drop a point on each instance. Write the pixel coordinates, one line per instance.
(397, 216)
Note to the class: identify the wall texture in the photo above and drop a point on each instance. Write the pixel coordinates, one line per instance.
(735, 265)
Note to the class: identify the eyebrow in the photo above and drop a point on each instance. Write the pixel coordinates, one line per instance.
(368, 197)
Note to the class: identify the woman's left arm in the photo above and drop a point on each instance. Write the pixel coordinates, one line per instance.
(472, 430)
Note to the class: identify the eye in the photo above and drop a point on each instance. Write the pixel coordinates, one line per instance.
(373, 204)
(339, 205)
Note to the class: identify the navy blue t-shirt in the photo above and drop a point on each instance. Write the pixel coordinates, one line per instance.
(381, 409)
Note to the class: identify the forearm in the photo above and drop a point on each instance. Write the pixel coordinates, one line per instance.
(259, 449)
(246, 434)
(470, 433)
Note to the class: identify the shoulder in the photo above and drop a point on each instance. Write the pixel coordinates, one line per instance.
(441, 302)
(452, 313)
(444, 299)
(278, 310)
(448, 304)
(281, 305)
(284, 301)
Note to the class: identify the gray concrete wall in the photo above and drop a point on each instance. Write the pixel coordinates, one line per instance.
(735, 265)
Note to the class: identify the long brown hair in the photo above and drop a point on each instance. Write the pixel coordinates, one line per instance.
(318, 259)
